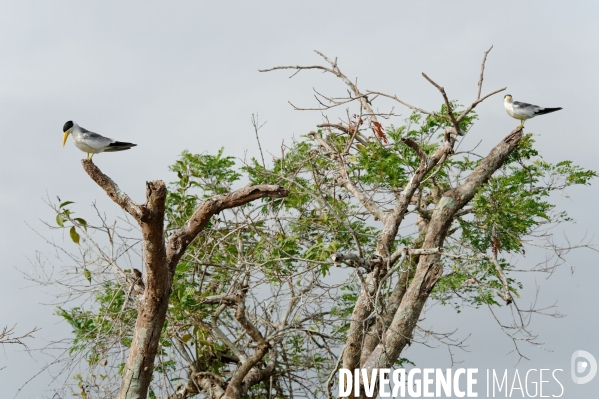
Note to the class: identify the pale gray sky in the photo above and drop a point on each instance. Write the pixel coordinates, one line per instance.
(184, 75)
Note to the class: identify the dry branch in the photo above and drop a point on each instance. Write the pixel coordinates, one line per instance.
(482, 73)
(334, 69)
(8, 336)
(441, 89)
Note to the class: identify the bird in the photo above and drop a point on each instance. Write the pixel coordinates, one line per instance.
(524, 111)
(90, 142)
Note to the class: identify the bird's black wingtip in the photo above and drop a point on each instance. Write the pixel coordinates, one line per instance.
(117, 144)
(544, 111)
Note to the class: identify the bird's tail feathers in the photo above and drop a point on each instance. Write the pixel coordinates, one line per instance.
(547, 110)
(119, 146)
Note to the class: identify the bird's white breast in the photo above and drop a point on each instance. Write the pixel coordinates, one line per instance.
(517, 112)
(83, 146)
(88, 144)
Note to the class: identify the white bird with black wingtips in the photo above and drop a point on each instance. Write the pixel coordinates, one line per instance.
(524, 111)
(90, 142)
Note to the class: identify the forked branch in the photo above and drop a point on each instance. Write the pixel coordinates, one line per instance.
(7, 336)
(450, 117)
(362, 97)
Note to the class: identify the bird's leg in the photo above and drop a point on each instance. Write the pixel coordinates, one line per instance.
(91, 156)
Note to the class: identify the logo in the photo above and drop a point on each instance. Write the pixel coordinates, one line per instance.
(581, 360)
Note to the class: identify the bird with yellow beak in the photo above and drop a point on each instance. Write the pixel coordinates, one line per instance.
(92, 143)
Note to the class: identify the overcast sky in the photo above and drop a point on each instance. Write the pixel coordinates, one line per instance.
(184, 75)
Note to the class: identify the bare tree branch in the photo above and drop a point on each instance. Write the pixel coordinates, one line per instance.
(482, 73)
(410, 106)
(455, 123)
(8, 336)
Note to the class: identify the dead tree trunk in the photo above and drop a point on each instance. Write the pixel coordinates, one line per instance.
(161, 259)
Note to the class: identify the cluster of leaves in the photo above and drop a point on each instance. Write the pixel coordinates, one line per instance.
(199, 176)
(65, 215)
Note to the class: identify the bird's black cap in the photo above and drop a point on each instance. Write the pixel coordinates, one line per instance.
(507, 95)
(67, 126)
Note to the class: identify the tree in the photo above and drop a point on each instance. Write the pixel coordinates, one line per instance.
(269, 299)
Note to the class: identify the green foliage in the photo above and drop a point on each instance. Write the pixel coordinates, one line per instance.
(516, 201)
(207, 174)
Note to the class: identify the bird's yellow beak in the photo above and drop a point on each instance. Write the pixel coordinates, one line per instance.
(64, 140)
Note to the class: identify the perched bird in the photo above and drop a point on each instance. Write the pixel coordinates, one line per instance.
(90, 142)
(524, 111)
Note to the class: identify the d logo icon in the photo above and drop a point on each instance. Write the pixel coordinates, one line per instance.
(580, 366)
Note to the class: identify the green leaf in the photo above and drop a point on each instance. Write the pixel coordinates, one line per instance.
(87, 275)
(74, 235)
(65, 204)
(59, 220)
(82, 222)
(185, 338)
